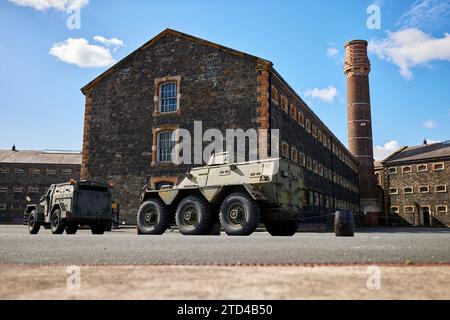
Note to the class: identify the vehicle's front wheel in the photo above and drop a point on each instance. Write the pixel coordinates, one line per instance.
(152, 217)
(282, 228)
(193, 216)
(33, 224)
(57, 224)
(239, 214)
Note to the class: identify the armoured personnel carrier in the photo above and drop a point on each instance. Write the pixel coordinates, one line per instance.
(239, 196)
(66, 206)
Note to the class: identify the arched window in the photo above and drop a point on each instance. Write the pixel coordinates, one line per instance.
(165, 146)
(378, 178)
(168, 97)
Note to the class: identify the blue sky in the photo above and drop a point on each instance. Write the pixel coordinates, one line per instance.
(41, 70)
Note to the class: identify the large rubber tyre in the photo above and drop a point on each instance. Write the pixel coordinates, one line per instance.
(56, 223)
(239, 214)
(98, 229)
(152, 217)
(33, 224)
(193, 216)
(71, 229)
(282, 228)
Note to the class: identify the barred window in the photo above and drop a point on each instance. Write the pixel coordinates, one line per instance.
(424, 189)
(66, 171)
(302, 159)
(4, 170)
(294, 155)
(301, 118)
(442, 188)
(3, 189)
(409, 209)
(32, 189)
(441, 209)
(165, 146)
(35, 172)
(18, 189)
(51, 172)
(168, 97)
(422, 168)
(408, 190)
(438, 166)
(392, 170)
(2, 206)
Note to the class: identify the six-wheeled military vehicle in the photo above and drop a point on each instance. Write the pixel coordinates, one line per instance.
(66, 206)
(239, 196)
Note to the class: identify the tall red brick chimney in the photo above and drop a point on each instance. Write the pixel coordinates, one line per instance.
(357, 68)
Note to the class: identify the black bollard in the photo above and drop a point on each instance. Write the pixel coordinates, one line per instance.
(344, 224)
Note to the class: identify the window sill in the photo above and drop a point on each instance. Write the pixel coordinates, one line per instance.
(161, 114)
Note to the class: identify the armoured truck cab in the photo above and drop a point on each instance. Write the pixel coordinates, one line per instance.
(239, 196)
(66, 206)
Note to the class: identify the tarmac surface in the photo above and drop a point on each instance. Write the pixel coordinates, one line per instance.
(124, 247)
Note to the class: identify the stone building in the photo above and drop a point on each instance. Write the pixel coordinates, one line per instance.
(414, 184)
(28, 174)
(176, 79)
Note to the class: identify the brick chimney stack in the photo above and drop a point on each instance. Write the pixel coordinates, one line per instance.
(356, 69)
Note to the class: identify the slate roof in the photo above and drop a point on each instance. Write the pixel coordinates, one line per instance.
(40, 157)
(420, 153)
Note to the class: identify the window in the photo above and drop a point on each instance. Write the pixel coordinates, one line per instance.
(4, 170)
(163, 185)
(408, 190)
(3, 189)
(308, 125)
(321, 169)
(395, 209)
(284, 103)
(407, 169)
(275, 95)
(422, 168)
(35, 172)
(438, 166)
(378, 178)
(441, 209)
(424, 189)
(168, 97)
(309, 163)
(20, 171)
(441, 188)
(392, 170)
(294, 155)
(409, 209)
(293, 112)
(301, 118)
(66, 171)
(314, 131)
(2, 206)
(165, 146)
(302, 159)
(315, 167)
(18, 189)
(393, 191)
(32, 189)
(51, 172)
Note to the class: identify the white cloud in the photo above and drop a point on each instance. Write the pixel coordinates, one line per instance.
(82, 54)
(113, 42)
(42, 5)
(382, 152)
(326, 94)
(430, 124)
(409, 48)
(332, 51)
(426, 13)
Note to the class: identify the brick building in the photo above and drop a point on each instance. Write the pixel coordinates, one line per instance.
(176, 79)
(30, 173)
(414, 184)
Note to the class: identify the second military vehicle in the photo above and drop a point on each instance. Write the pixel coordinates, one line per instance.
(66, 206)
(238, 195)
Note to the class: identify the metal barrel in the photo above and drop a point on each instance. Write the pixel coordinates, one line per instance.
(344, 224)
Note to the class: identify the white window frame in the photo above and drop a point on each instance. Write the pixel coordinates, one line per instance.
(4, 170)
(395, 209)
(66, 171)
(158, 147)
(410, 170)
(33, 189)
(395, 192)
(20, 171)
(161, 99)
(406, 211)
(436, 188)
(424, 170)
(428, 189)
(35, 172)
(394, 170)
(4, 189)
(412, 190)
(444, 206)
(438, 163)
(50, 172)
(17, 189)
(2, 206)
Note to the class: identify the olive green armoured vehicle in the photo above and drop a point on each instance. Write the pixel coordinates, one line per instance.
(66, 206)
(236, 196)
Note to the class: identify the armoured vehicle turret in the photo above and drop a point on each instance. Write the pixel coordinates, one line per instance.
(66, 206)
(239, 196)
